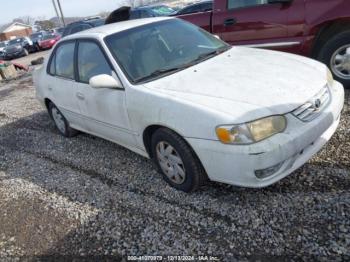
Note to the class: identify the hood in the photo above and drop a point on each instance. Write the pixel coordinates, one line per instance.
(264, 82)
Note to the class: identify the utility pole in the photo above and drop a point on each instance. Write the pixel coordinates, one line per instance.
(60, 8)
(58, 15)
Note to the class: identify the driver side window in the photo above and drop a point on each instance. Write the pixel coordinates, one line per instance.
(91, 61)
(233, 4)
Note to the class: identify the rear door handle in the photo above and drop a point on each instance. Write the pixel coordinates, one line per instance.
(80, 96)
(230, 21)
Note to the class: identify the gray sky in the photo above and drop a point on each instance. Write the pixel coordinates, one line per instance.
(11, 9)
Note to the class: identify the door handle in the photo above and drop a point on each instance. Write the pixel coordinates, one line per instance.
(80, 96)
(230, 21)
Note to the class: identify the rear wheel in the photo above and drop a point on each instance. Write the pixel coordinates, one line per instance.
(336, 55)
(61, 122)
(176, 161)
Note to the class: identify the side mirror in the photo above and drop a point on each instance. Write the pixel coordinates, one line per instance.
(105, 81)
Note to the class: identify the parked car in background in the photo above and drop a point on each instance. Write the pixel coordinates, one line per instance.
(318, 29)
(18, 47)
(81, 26)
(203, 6)
(2, 49)
(58, 31)
(151, 11)
(36, 38)
(48, 41)
(195, 105)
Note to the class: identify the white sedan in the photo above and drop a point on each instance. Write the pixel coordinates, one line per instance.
(198, 107)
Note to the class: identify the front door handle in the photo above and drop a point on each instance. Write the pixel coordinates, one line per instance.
(230, 21)
(80, 96)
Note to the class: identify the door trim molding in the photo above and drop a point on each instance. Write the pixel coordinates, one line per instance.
(267, 45)
(83, 117)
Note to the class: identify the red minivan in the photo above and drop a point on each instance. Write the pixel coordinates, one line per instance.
(319, 29)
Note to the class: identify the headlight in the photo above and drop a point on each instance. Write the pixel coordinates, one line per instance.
(330, 78)
(251, 132)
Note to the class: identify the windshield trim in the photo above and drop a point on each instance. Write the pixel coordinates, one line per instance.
(134, 82)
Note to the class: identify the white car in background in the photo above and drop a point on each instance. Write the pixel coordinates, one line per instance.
(198, 107)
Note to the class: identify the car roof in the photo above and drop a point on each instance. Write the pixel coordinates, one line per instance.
(116, 27)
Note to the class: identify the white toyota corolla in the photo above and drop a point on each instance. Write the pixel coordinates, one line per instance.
(198, 107)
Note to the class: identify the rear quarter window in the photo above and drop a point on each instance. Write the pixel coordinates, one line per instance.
(64, 60)
(52, 66)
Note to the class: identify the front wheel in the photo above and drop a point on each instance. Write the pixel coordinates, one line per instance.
(336, 55)
(25, 52)
(61, 122)
(176, 161)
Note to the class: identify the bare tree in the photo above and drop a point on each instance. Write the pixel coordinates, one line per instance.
(28, 20)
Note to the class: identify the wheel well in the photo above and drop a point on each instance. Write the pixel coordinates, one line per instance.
(147, 140)
(147, 137)
(47, 103)
(326, 32)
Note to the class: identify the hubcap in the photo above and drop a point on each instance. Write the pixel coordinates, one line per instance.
(171, 163)
(340, 62)
(59, 120)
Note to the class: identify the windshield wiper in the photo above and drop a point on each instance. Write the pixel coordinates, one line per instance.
(206, 56)
(156, 73)
(166, 71)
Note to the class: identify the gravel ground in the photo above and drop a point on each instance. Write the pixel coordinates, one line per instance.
(86, 196)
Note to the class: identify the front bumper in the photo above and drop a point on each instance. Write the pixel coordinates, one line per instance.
(236, 165)
(46, 46)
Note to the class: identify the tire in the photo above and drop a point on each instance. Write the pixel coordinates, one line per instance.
(193, 175)
(36, 47)
(25, 52)
(336, 45)
(61, 122)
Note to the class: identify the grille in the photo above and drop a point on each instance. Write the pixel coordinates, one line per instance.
(312, 109)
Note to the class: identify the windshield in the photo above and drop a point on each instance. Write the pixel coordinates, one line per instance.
(158, 49)
(50, 36)
(16, 41)
(2, 44)
(36, 35)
